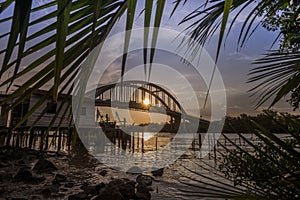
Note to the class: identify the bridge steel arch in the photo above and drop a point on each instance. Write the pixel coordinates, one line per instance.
(160, 94)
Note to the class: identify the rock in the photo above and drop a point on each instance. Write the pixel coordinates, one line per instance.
(21, 162)
(144, 180)
(143, 195)
(24, 175)
(127, 190)
(69, 184)
(115, 183)
(117, 168)
(79, 196)
(143, 192)
(54, 188)
(158, 172)
(118, 189)
(109, 194)
(103, 172)
(93, 189)
(46, 193)
(15, 154)
(133, 183)
(44, 166)
(63, 190)
(37, 179)
(60, 178)
(134, 170)
(35, 197)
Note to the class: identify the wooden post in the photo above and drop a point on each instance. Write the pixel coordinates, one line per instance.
(200, 145)
(138, 142)
(123, 140)
(143, 142)
(13, 138)
(21, 137)
(208, 139)
(8, 137)
(41, 136)
(59, 140)
(17, 139)
(119, 138)
(47, 141)
(215, 149)
(31, 138)
(129, 141)
(70, 138)
(133, 142)
(26, 139)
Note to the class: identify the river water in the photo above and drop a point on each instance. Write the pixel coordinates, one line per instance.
(83, 167)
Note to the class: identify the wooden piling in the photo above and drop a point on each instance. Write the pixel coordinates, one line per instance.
(31, 138)
(119, 138)
(18, 139)
(47, 141)
(8, 137)
(41, 136)
(133, 142)
(208, 140)
(59, 140)
(143, 142)
(200, 144)
(215, 149)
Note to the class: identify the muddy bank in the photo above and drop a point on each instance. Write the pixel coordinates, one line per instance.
(32, 174)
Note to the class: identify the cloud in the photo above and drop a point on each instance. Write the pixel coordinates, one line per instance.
(242, 56)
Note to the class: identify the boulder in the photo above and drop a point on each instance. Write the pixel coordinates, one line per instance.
(144, 180)
(127, 190)
(103, 172)
(79, 196)
(60, 178)
(44, 166)
(134, 170)
(143, 192)
(158, 172)
(93, 189)
(109, 194)
(46, 193)
(69, 184)
(24, 175)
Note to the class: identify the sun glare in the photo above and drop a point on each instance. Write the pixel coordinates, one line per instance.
(146, 102)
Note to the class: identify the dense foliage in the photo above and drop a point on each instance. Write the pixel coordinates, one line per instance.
(270, 166)
(270, 120)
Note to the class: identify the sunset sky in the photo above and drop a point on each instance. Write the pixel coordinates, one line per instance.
(234, 66)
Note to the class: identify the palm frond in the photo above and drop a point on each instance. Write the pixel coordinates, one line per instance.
(264, 167)
(277, 75)
(56, 51)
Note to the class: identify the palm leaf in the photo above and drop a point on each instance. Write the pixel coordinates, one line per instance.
(277, 76)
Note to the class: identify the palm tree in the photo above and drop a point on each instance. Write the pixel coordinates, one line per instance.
(277, 74)
(50, 56)
(72, 29)
(83, 25)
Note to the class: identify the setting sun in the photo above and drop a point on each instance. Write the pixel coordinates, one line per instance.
(146, 102)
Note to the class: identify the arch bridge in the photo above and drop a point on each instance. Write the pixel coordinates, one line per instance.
(141, 96)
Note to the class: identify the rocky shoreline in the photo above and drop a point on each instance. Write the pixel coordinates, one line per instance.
(31, 174)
